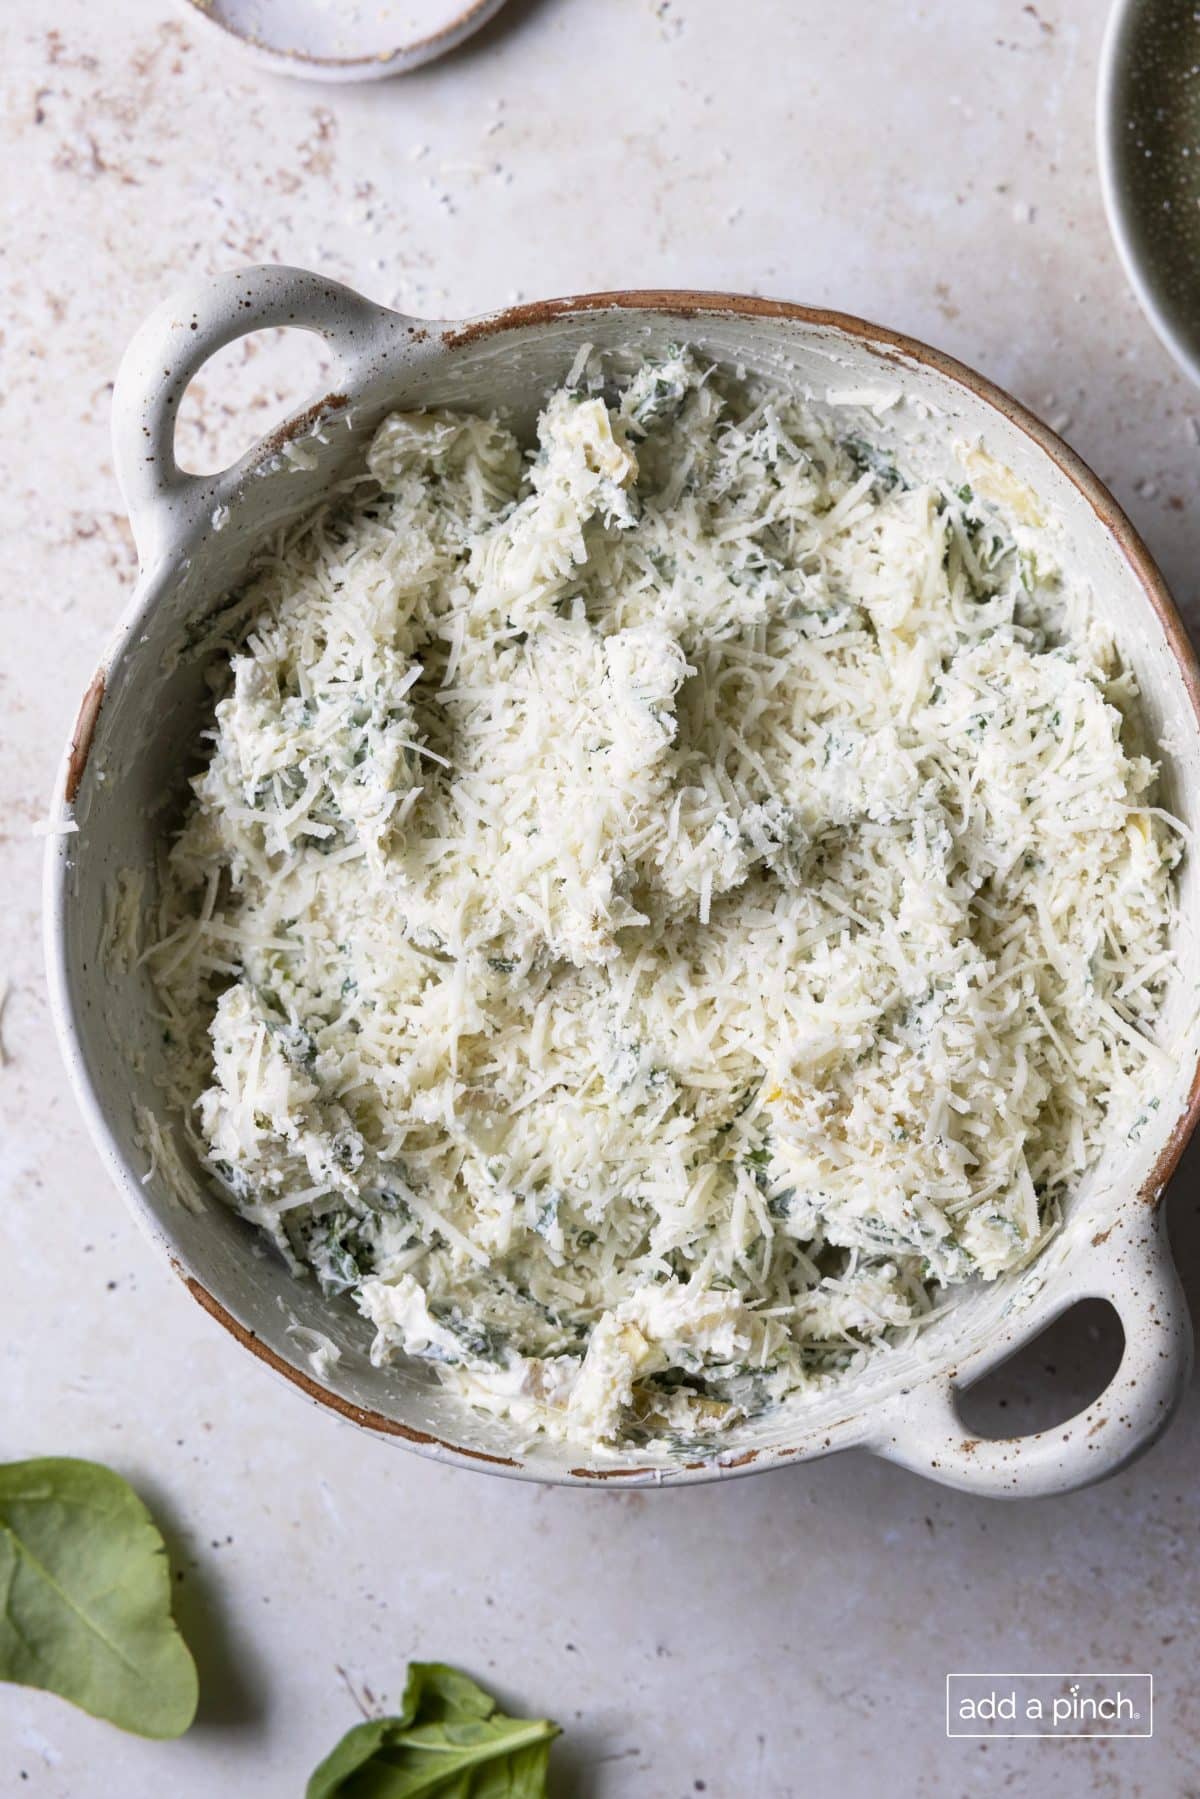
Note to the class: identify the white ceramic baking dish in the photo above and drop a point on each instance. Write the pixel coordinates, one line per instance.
(137, 727)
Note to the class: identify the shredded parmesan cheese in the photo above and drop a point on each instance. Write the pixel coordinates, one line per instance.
(659, 912)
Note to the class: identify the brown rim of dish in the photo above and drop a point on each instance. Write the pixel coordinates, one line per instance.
(423, 48)
(81, 736)
(894, 347)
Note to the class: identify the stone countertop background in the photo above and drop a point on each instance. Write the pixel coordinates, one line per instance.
(927, 165)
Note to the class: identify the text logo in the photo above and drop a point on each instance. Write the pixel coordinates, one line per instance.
(1049, 1705)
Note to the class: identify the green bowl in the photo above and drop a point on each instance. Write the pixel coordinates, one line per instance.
(1148, 128)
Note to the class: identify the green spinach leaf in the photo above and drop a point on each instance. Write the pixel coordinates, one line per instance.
(86, 1592)
(448, 1742)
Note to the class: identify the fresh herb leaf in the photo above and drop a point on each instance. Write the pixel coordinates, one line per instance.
(87, 1608)
(448, 1742)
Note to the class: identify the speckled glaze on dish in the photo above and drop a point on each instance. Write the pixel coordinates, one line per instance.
(343, 40)
(1148, 139)
(137, 725)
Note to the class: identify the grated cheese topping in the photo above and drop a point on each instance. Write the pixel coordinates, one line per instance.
(660, 911)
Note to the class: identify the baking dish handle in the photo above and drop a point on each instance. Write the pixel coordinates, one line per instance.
(1136, 1275)
(174, 344)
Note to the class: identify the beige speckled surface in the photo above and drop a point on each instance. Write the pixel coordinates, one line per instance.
(776, 1637)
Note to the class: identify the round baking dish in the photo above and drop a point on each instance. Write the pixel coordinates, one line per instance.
(137, 726)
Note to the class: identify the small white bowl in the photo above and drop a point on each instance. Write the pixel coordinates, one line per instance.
(137, 730)
(343, 40)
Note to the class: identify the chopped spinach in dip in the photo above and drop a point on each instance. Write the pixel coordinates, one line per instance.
(661, 909)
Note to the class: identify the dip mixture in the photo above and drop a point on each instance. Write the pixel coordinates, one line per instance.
(661, 912)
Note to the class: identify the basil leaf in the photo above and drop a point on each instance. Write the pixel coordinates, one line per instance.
(448, 1741)
(86, 1597)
